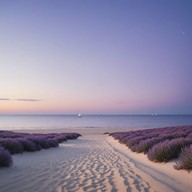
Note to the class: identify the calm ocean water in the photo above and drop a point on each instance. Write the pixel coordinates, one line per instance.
(14, 122)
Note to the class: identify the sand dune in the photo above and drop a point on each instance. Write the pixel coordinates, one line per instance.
(90, 163)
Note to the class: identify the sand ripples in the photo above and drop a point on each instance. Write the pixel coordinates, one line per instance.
(87, 164)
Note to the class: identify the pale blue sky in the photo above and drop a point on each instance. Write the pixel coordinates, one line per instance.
(101, 56)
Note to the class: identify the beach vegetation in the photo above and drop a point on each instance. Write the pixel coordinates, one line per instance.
(167, 150)
(5, 158)
(161, 144)
(185, 159)
(28, 145)
(14, 142)
(12, 145)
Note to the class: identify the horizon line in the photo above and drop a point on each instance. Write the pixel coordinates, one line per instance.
(97, 114)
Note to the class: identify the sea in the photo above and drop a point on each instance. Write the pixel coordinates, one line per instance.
(26, 122)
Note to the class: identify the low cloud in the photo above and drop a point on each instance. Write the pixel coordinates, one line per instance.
(28, 100)
(5, 99)
(24, 100)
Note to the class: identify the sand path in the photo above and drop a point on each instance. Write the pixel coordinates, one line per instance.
(90, 164)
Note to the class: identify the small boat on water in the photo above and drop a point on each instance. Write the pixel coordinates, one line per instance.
(79, 115)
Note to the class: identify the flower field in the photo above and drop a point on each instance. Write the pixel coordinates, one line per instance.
(161, 144)
(12, 143)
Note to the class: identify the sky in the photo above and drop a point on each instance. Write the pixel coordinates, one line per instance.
(96, 57)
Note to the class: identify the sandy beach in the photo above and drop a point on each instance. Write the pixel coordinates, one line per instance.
(93, 162)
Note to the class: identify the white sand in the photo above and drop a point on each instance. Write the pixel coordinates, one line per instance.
(93, 162)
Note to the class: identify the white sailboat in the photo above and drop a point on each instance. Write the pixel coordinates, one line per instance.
(79, 115)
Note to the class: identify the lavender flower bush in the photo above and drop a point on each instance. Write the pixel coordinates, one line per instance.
(145, 145)
(167, 150)
(27, 145)
(53, 142)
(185, 159)
(5, 158)
(161, 144)
(12, 145)
(13, 142)
(41, 142)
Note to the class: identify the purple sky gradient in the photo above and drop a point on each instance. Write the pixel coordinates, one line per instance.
(104, 56)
